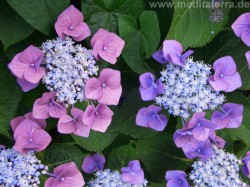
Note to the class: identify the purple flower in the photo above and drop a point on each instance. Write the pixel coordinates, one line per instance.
(246, 165)
(46, 107)
(183, 136)
(200, 126)
(241, 28)
(98, 118)
(29, 136)
(26, 67)
(149, 117)
(202, 150)
(149, 88)
(93, 163)
(218, 141)
(68, 124)
(16, 121)
(248, 58)
(133, 174)
(226, 77)
(172, 52)
(70, 23)
(107, 45)
(66, 175)
(231, 116)
(176, 178)
(106, 89)
(2, 147)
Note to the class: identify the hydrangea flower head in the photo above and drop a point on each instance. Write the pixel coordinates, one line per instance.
(93, 163)
(150, 88)
(149, 117)
(246, 165)
(241, 28)
(70, 23)
(18, 120)
(186, 89)
(68, 68)
(172, 52)
(133, 174)
(200, 126)
(20, 170)
(221, 170)
(231, 116)
(107, 45)
(98, 118)
(26, 67)
(111, 178)
(29, 136)
(46, 107)
(176, 178)
(66, 175)
(202, 150)
(74, 124)
(106, 89)
(226, 77)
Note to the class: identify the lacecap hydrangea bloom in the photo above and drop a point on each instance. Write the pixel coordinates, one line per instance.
(221, 170)
(71, 74)
(20, 170)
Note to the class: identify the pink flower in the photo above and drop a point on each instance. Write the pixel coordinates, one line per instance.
(29, 136)
(93, 163)
(18, 120)
(46, 107)
(98, 118)
(68, 124)
(66, 175)
(26, 67)
(226, 77)
(106, 89)
(70, 23)
(107, 45)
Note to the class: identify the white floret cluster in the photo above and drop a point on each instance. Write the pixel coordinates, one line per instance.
(186, 89)
(108, 178)
(68, 67)
(20, 170)
(221, 170)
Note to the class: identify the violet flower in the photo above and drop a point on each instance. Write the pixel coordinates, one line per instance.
(70, 23)
(241, 28)
(46, 107)
(65, 175)
(29, 136)
(231, 116)
(68, 124)
(226, 77)
(133, 174)
(149, 88)
(26, 67)
(93, 163)
(246, 165)
(98, 118)
(106, 89)
(217, 140)
(107, 45)
(149, 117)
(247, 54)
(176, 178)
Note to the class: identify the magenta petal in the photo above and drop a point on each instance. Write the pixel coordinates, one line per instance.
(25, 85)
(34, 75)
(56, 110)
(248, 59)
(200, 133)
(111, 96)
(82, 130)
(40, 111)
(66, 125)
(146, 80)
(111, 78)
(159, 124)
(227, 63)
(32, 55)
(241, 24)
(218, 85)
(85, 32)
(148, 94)
(234, 82)
(101, 33)
(93, 89)
(133, 174)
(16, 121)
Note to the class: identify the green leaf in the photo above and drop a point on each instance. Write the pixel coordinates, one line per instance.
(98, 141)
(141, 42)
(59, 153)
(41, 14)
(120, 157)
(227, 44)
(160, 154)
(191, 26)
(157, 185)
(12, 27)
(104, 13)
(10, 96)
(126, 119)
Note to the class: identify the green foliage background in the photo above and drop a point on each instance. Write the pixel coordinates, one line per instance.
(144, 28)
